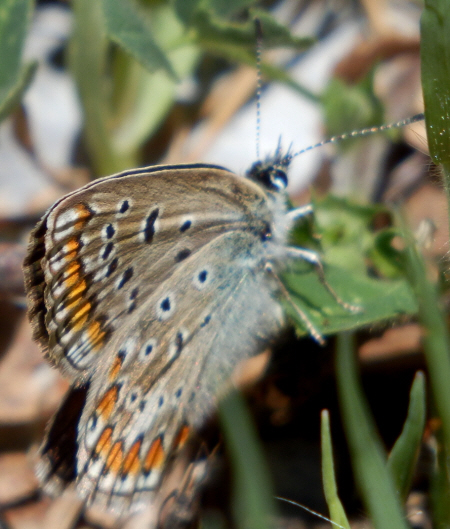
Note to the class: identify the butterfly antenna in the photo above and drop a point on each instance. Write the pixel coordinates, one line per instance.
(321, 516)
(259, 43)
(363, 132)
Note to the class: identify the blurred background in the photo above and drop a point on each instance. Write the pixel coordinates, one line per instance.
(87, 103)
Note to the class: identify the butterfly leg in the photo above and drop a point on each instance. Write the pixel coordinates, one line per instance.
(307, 322)
(298, 213)
(312, 257)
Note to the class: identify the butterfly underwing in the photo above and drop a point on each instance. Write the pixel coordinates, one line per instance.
(146, 288)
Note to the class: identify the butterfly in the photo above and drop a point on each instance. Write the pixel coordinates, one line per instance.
(146, 288)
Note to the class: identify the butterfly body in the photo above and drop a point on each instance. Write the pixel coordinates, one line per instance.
(147, 288)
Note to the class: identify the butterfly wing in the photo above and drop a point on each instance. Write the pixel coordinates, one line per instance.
(133, 424)
(143, 304)
(91, 244)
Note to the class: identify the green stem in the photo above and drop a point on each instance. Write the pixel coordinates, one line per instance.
(436, 338)
(254, 504)
(367, 453)
(88, 54)
(446, 180)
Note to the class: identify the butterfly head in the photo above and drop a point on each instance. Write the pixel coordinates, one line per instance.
(272, 172)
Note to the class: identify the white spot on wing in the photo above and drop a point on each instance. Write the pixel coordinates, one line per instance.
(133, 399)
(125, 486)
(81, 352)
(147, 350)
(64, 224)
(127, 349)
(93, 429)
(95, 468)
(148, 482)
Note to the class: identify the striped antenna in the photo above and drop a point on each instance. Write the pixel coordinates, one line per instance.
(363, 132)
(259, 44)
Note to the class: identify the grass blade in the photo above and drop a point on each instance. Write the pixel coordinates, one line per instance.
(369, 460)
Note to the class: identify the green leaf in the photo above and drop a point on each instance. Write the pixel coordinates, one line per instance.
(88, 54)
(126, 25)
(337, 512)
(440, 486)
(345, 229)
(403, 457)
(346, 244)
(435, 64)
(254, 503)
(143, 99)
(225, 8)
(379, 300)
(351, 107)
(15, 16)
(389, 261)
(367, 454)
(186, 9)
(436, 339)
(214, 33)
(276, 34)
(236, 41)
(12, 95)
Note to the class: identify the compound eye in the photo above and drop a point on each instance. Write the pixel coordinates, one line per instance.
(279, 179)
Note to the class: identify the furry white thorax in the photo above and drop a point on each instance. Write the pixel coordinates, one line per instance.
(282, 223)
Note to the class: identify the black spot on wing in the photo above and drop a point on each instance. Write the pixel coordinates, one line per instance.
(205, 321)
(149, 229)
(134, 293)
(165, 304)
(112, 267)
(126, 276)
(124, 206)
(185, 226)
(179, 342)
(110, 231)
(183, 254)
(107, 250)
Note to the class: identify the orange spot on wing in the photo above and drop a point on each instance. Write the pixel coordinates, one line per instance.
(131, 464)
(115, 368)
(71, 275)
(95, 334)
(155, 456)
(115, 457)
(71, 249)
(107, 404)
(104, 442)
(83, 215)
(77, 290)
(80, 317)
(182, 436)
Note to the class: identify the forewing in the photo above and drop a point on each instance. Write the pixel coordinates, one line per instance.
(100, 252)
